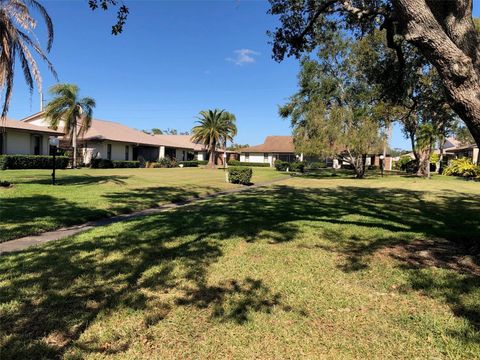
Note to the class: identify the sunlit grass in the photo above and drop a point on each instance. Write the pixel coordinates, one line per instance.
(33, 205)
(343, 269)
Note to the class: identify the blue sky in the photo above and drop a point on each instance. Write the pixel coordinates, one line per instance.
(173, 59)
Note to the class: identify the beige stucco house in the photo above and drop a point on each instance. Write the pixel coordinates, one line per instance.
(115, 141)
(273, 148)
(20, 138)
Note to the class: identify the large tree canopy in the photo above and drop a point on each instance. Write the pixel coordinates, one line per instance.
(443, 32)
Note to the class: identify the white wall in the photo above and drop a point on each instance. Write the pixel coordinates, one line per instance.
(201, 155)
(253, 157)
(118, 150)
(475, 155)
(20, 142)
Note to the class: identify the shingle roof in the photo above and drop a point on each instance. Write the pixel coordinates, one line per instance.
(273, 144)
(20, 125)
(179, 141)
(109, 130)
(451, 142)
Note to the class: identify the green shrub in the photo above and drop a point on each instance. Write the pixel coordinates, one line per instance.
(316, 165)
(406, 163)
(167, 162)
(296, 166)
(462, 167)
(5, 183)
(189, 163)
(125, 164)
(240, 175)
(32, 162)
(202, 162)
(101, 164)
(240, 163)
(281, 165)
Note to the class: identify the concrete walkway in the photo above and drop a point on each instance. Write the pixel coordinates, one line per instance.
(34, 240)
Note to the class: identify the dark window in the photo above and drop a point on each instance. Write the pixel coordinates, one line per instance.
(247, 157)
(37, 145)
(265, 157)
(170, 153)
(2, 143)
(109, 151)
(127, 152)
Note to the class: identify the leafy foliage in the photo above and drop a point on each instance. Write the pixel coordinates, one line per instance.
(336, 111)
(32, 162)
(240, 175)
(462, 167)
(68, 111)
(190, 163)
(122, 13)
(215, 128)
(243, 163)
(295, 166)
(17, 37)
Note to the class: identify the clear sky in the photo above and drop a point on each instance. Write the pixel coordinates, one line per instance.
(173, 59)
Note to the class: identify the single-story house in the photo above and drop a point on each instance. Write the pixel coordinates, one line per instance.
(115, 141)
(469, 151)
(108, 140)
(182, 147)
(20, 138)
(273, 148)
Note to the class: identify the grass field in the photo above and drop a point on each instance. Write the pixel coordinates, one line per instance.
(310, 268)
(33, 205)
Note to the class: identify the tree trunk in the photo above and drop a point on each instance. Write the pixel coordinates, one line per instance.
(74, 144)
(445, 34)
(211, 161)
(424, 162)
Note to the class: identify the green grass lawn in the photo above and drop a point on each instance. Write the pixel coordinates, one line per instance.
(33, 205)
(310, 268)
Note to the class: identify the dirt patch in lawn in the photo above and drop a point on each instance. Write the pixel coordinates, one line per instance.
(438, 253)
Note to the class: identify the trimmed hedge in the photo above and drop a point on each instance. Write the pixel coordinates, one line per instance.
(240, 175)
(295, 166)
(189, 163)
(109, 164)
(126, 164)
(240, 163)
(32, 162)
(101, 164)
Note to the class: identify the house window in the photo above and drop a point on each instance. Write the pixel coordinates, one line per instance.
(265, 158)
(109, 151)
(127, 152)
(37, 144)
(2, 143)
(247, 157)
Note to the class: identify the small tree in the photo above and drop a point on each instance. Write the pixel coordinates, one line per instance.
(66, 109)
(335, 112)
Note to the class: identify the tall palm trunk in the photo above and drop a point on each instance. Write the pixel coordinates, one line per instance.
(211, 161)
(74, 144)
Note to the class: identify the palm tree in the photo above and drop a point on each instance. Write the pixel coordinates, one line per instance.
(230, 119)
(214, 127)
(17, 39)
(72, 113)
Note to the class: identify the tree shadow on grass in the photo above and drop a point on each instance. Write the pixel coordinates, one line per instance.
(68, 179)
(51, 294)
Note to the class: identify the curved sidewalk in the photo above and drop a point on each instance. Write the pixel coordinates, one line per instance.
(34, 240)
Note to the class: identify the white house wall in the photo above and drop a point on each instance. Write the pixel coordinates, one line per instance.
(20, 142)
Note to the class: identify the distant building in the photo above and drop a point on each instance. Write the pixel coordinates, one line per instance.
(273, 148)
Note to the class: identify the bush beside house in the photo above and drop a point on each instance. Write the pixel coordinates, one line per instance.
(110, 164)
(239, 163)
(240, 175)
(295, 166)
(463, 167)
(32, 162)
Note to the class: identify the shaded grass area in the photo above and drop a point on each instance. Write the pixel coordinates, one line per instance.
(316, 269)
(33, 205)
